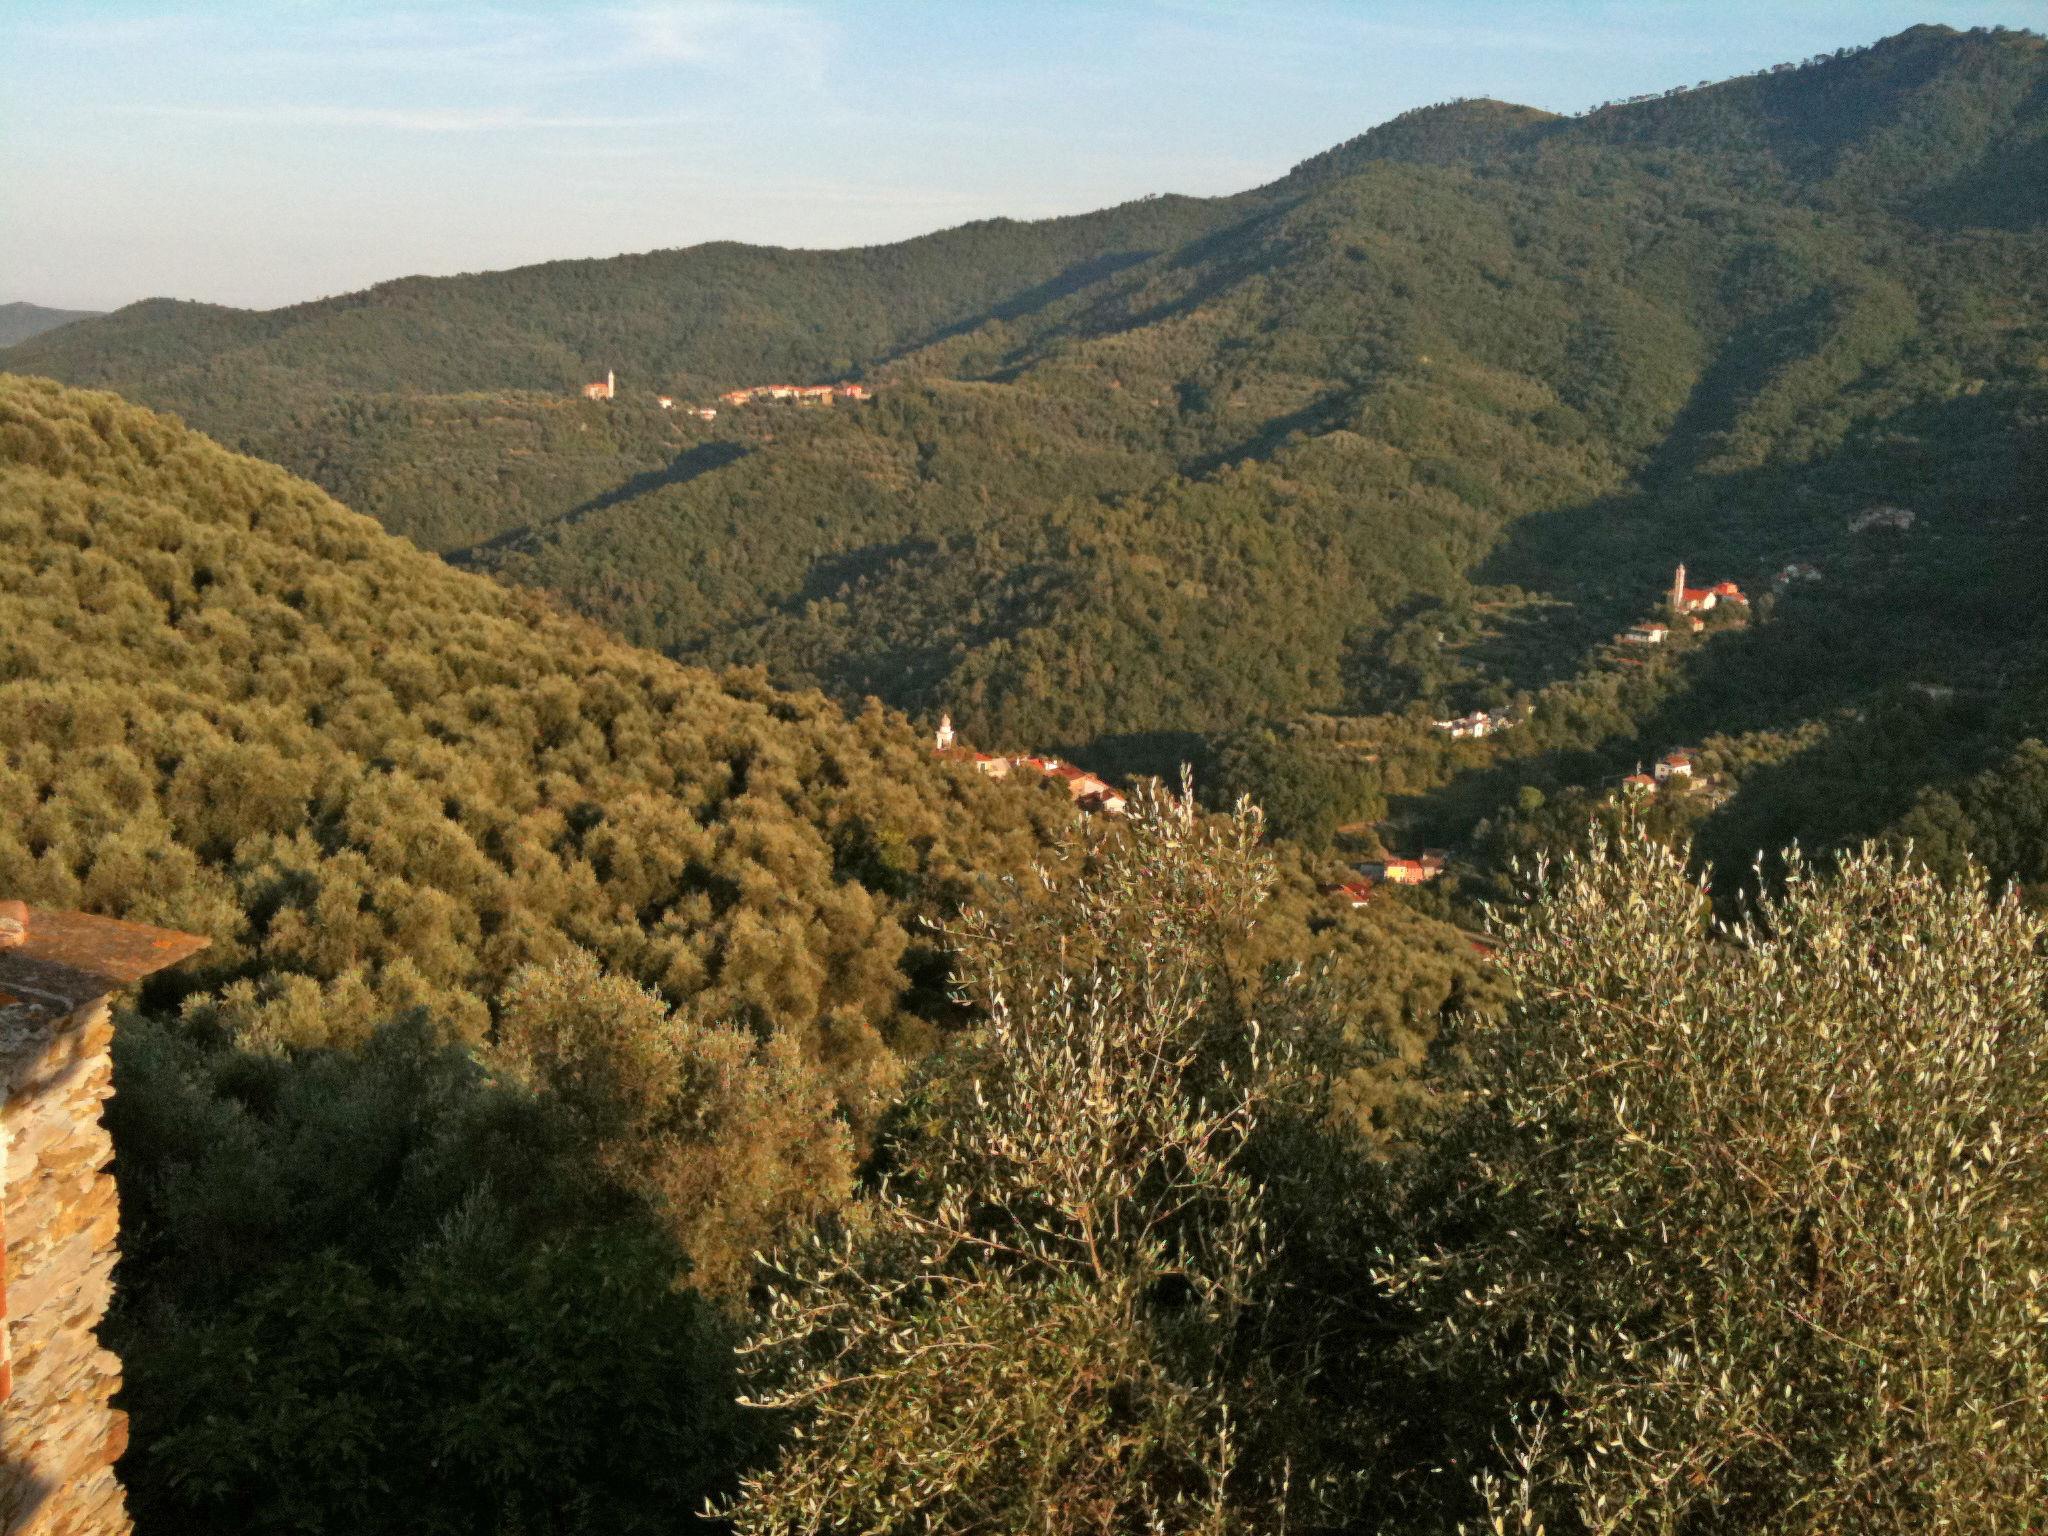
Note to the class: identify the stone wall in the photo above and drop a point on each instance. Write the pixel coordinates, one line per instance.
(60, 1220)
(59, 1432)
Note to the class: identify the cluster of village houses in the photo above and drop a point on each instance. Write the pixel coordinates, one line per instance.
(1686, 604)
(1094, 795)
(1098, 796)
(1672, 765)
(1390, 870)
(797, 394)
(607, 388)
(1481, 722)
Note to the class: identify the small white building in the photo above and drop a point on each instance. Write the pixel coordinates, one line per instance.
(1674, 765)
(1475, 725)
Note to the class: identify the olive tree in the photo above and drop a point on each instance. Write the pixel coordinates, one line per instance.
(1750, 1220)
(730, 1140)
(1047, 1317)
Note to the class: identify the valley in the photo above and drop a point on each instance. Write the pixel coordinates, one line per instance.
(1137, 484)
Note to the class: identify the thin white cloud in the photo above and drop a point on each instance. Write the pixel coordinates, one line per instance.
(417, 119)
(725, 35)
(740, 39)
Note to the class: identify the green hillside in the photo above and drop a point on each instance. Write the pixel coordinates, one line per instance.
(1413, 429)
(235, 707)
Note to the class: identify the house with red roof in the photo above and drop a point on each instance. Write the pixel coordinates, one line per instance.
(1686, 599)
(1674, 765)
(1399, 871)
(1088, 791)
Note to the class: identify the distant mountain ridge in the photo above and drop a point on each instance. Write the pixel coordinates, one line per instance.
(1914, 123)
(707, 316)
(18, 321)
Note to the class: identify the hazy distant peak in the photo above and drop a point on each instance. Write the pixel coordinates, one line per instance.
(20, 321)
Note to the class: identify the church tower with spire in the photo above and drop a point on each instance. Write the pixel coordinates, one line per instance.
(1678, 592)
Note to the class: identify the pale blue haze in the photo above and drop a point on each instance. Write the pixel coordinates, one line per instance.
(268, 152)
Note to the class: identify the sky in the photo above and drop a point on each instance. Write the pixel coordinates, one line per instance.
(265, 153)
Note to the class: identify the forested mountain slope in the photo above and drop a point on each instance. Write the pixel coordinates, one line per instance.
(1212, 483)
(1418, 426)
(376, 783)
(1932, 124)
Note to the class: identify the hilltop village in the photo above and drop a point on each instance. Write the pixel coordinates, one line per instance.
(607, 388)
(1096, 796)
(1687, 607)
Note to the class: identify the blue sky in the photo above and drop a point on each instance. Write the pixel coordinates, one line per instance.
(263, 153)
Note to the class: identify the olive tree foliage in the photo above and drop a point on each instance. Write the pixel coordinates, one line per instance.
(1046, 1318)
(732, 1141)
(1752, 1219)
